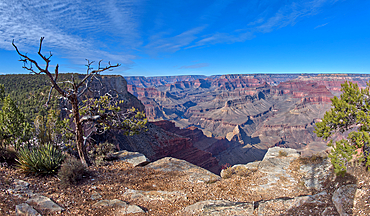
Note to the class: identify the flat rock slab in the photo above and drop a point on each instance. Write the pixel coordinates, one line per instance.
(194, 173)
(124, 208)
(25, 210)
(134, 158)
(218, 207)
(281, 206)
(45, 204)
(154, 195)
(274, 166)
(277, 160)
(315, 175)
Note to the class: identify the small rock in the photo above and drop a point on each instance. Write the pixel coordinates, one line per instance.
(130, 209)
(218, 207)
(343, 199)
(134, 158)
(360, 193)
(96, 196)
(45, 204)
(21, 185)
(102, 203)
(113, 203)
(117, 203)
(26, 210)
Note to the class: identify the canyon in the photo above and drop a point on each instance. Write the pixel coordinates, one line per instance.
(238, 117)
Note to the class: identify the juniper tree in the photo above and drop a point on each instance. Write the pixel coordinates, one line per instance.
(14, 129)
(90, 115)
(349, 117)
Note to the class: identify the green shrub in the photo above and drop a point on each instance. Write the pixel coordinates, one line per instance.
(41, 160)
(349, 117)
(72, 171)
(102, 153)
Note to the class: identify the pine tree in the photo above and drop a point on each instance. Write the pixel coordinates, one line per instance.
(14, 129)
(349, 117)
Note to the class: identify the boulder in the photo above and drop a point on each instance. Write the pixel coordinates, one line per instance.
(25, 210)
(218, 207)
(45, 203)
(134, 158)
(343, 199)
(193, 173)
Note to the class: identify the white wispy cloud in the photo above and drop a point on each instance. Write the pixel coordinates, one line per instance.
(114, 30)
(160, 43)
(71, 27)
(280, 16)
(322, 25)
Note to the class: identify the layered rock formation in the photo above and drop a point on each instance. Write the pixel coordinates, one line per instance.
(255, 111)
(155, 143)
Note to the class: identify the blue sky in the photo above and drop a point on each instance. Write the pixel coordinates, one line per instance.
(161, 38)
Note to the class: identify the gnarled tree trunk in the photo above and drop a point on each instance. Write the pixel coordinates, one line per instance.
(81, 148)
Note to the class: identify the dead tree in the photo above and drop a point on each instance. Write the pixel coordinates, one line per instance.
(73, 96)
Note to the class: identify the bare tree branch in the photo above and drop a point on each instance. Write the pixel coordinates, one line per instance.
(47, 102)
(93, 72)
(40, 70)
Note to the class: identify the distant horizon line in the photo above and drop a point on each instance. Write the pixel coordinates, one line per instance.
(226, 74)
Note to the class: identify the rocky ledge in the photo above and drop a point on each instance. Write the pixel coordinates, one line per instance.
(283, 183)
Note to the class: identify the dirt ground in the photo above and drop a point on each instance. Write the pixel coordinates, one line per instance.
(113, 180)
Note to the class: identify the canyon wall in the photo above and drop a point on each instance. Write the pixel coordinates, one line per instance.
(246, 112)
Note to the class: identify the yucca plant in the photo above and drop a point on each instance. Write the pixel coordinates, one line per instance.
(45, 159)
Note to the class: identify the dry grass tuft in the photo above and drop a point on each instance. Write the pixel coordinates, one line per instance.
(238, 171)
(314, 159)
(282, 153)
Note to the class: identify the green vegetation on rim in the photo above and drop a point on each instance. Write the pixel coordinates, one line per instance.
(350, 117)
